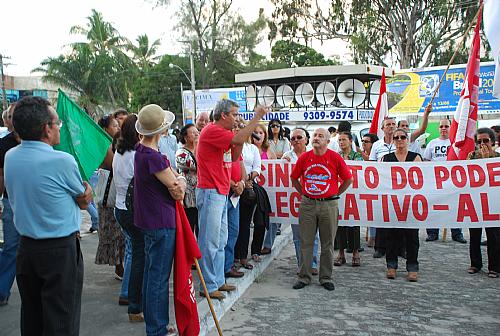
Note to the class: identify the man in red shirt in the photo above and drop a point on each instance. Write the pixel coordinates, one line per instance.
(316, 177)
(217, 148)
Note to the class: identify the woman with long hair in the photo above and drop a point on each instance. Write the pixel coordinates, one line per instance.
(278, 143)
(111, 248)
(396, 236)
(261, 140)
(156, 189)
(123, 172)
(186, 164)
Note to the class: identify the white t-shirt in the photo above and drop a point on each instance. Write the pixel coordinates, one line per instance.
(380, 148)
(123, 171)
(437, 150)
(251, 158)
(498, 149)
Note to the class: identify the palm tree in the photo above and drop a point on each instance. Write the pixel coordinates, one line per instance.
(144, 54)
(109, 49)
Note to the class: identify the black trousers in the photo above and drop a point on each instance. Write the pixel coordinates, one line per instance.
(192, 216)
(348, 237)
(411, 243)
(49, 274)
(493, 239)
(381, 239)
(241, 247)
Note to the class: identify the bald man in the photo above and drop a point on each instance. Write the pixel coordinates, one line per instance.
(316, 177)
(202, 119)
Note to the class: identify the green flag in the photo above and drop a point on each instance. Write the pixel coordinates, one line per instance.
(81, 137)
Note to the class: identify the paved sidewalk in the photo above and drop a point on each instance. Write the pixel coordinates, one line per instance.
(445, 301)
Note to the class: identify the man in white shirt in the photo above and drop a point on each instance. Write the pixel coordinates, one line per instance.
(404, 124)
(384, 146)
(437, 150)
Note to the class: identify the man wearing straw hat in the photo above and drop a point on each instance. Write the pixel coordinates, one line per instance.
(217, 148)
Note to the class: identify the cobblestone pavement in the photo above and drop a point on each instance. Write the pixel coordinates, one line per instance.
(445, 301)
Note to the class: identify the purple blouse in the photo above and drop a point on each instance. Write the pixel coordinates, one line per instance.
(154, 207)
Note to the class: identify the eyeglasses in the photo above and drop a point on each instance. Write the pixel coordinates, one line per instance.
(298, 137)
(366, 141)
(57, 123)
(444, 126)
(400, 137)
(483, 141)
(275, 126)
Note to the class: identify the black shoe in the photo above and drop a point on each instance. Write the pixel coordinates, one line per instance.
(328, 286)
(278, 232)
(299, 285)
(459, 239)
(92, 230)
(361, 249)
(431, 238)
(378, 254)
(484, 243)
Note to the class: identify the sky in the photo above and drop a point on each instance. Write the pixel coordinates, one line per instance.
(34, 30)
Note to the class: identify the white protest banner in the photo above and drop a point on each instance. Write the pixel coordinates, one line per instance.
(407, 194)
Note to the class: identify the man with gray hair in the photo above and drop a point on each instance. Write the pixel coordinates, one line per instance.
(217, 148)
(202, 119)
(316, 177)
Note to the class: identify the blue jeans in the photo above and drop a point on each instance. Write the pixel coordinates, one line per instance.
(136, 265)
(212, 238)
(372, 232)
(92, 209)
(159, 248)
(233, 228)
(127, 260)
(296, 242)
(8, 254)
(94, 215)
(270, 235)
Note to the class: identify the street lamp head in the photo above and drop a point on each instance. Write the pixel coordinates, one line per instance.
(170, 65)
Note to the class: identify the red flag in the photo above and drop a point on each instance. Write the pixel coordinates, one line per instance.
(464, 122)
(186, 249)
(381, 111)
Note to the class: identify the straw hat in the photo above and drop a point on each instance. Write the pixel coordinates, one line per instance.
(152, 119)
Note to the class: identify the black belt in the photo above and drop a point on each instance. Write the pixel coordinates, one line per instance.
(332, 198)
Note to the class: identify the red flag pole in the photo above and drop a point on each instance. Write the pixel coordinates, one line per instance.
(207, 295)
(456, 51)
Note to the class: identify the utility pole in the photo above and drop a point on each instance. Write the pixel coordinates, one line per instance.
(193, 82)
(182, 106)
(2, 83)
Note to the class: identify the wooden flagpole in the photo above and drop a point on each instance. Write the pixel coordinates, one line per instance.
(207, 295)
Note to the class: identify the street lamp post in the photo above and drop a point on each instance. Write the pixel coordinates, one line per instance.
(191, 80)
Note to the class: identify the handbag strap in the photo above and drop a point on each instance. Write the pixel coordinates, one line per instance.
(106, 191)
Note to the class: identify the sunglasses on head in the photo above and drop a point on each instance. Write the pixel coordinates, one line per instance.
(366, 141)
(444, 126)
(275, 126)
(483, 141)
(298, 137)
(400, 137)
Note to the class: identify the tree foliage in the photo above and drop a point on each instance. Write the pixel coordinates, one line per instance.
(408, 33)
(297, 55)
(220, 38)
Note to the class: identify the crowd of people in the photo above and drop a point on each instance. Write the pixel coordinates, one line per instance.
(213, 168)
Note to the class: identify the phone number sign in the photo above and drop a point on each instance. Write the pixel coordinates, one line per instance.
(313, 115)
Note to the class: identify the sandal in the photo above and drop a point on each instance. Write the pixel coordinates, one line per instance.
(356, 261)
(339, 261)
(265, 250)
(256, 258)
(247, 266)
(492, 274)
(472, 270)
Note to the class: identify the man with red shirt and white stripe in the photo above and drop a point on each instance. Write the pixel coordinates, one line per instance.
(316, 177)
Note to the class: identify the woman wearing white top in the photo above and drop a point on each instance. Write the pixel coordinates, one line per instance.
(123, 172)
(252, 162)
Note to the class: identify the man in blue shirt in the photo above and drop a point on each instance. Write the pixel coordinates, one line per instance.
(46, 193)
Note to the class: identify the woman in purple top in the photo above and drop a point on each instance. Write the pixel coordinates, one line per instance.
(156, 188)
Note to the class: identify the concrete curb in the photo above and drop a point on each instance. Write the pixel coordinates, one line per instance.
(242, 284)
